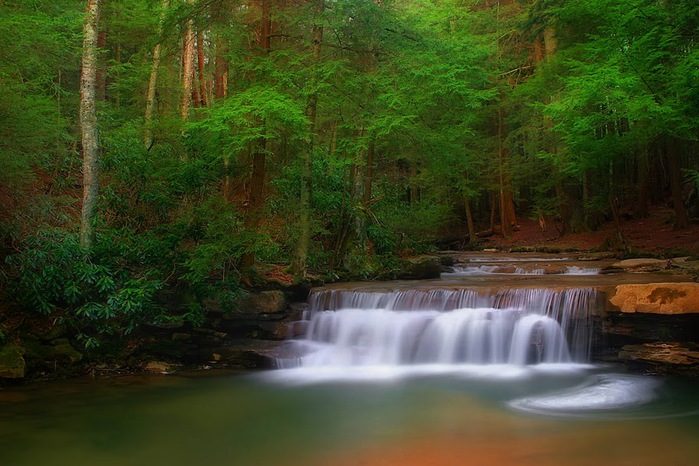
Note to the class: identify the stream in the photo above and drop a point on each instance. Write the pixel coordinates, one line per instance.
(488, 366)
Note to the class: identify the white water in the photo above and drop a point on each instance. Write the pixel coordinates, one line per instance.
(504, 336)
(515, 327)
(480, 270)
(602, 392)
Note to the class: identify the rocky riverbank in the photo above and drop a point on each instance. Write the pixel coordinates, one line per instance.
(650, 321)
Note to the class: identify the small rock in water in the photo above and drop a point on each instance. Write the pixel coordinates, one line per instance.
(159, 367)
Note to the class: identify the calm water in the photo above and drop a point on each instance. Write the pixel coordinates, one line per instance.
(288, 418)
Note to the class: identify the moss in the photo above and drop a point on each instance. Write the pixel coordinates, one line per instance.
(12, 365)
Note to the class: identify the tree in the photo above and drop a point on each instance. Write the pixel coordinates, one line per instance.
(88, 124)
(299, 263)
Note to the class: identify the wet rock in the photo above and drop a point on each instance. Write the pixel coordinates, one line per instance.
(265, 302)
(665, 357)
(621, 328)
(12, 365)
(62, 351)
(181, 337)
(159, 367)
(657, 298)
(638, 266)
(244, 358)
(49, 335)
(421, 267)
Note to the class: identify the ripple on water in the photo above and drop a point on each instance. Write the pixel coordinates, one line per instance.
(600, 393)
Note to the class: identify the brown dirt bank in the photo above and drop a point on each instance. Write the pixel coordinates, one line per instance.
(653, 235)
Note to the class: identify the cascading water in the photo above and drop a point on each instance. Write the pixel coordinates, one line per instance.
(469, 270)
(489, 321)
(515, 327)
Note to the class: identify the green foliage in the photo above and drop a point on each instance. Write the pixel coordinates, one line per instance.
(111, 290)
(454, 100)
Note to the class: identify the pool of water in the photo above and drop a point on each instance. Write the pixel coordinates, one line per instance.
(578, 416)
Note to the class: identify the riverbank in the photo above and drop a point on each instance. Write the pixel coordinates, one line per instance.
(244, 334)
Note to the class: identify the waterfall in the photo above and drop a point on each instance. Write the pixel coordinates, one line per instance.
(469, 270)
(512, 326)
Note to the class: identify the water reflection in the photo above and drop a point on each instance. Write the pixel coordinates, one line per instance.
(447, 419)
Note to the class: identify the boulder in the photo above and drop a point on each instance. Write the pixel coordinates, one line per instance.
(668, 357)
(62, 351)
(638, 265)
(420, 267)
(265, 302)
(658, 298)
(12, 365)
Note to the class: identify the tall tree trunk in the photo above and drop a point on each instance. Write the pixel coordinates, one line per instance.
(507, 209)
(675, 171)
(564, 209)
(117, 60)
(641, 210)
(299, 266)
(88, 124)
(472, 237)
(257, 183)
(414, 189)
(187, 70)
(201, 59)
(220, 70)
(369, 171)
(153, 84)
(220, 90)
(586, 199)
(101, 86)
(493, 209)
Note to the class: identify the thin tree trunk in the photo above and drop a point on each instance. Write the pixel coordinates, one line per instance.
(620, 238)
(642, 184)
(117, 60)
(588, 220)
(257, 182)
(203, 95)
(507, 217)
(187, 70)
(493, 209)
(369, 171)
(563, 208)
(220, 88)
(332, 147)
(472, 237)
(673, 162)
(220, 70)
(88, 124)
(153, 84)
(300, 263)
(414, 190)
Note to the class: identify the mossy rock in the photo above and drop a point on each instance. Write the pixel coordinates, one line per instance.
(63, 351)
(420, 267)
(12, 365)
(263, 302)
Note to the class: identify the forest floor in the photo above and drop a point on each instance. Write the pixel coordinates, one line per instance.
(654, 236)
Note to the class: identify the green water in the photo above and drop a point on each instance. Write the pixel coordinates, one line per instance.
(243, 420)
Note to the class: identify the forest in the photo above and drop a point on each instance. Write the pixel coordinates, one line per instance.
(154, 151)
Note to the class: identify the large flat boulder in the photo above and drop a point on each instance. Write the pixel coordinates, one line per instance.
(658, 298)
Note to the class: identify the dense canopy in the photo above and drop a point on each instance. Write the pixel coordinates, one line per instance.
(326, 138)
